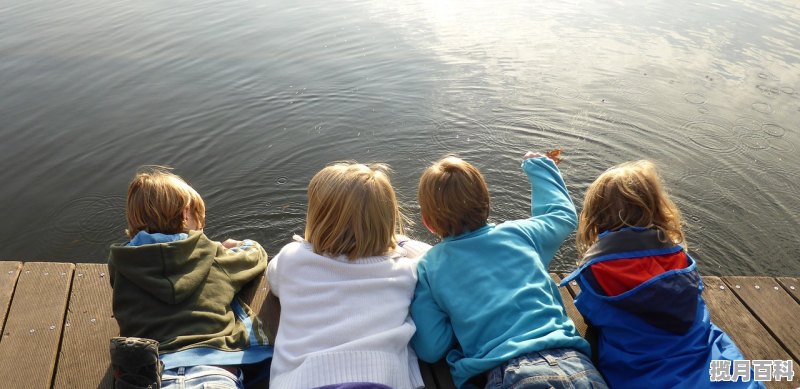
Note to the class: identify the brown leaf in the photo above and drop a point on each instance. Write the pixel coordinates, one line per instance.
(555, 155)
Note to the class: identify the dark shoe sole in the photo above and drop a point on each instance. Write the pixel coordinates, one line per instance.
(135, 362)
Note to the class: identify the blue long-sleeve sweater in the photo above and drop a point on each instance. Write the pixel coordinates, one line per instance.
(485, 296)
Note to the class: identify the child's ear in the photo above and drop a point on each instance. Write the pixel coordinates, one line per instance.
(189, 221)
(425, 223)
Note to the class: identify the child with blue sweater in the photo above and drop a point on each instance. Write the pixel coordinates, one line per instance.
(484, 299)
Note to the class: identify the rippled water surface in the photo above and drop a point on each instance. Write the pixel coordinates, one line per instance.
(248, 99)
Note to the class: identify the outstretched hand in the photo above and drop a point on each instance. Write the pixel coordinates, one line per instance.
(231, 243)
(554, 154)
(532, 154)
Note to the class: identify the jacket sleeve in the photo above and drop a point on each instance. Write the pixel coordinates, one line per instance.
(434, 335)
(243, 263)
(111, 273)
(553, 215)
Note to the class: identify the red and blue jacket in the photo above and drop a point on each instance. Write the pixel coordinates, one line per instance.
(643, 295)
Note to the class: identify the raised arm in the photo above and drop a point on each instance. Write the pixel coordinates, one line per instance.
(553, 215)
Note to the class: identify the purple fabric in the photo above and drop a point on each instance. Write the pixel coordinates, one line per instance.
(355, 385)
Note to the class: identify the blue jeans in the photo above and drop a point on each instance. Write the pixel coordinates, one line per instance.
(560, 368)
(200, 377)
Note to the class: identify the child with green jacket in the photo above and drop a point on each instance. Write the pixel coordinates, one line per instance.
(177, 287)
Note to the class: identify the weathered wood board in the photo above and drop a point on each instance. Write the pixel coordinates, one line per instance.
(32, 334)
(89, 326)
(56, 322)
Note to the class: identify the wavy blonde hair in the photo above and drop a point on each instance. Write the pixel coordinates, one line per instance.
(630, 194)
(156, 200)
(352, 211)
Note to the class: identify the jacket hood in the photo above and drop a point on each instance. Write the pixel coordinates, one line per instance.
(660, 284)
(172, 271)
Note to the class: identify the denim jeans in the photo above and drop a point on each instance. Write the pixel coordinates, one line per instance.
(200, 377)
(560, 368)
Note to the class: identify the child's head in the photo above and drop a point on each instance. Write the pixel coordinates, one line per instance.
(159, 201)
(627, 195)
(453, 197)
(352, 211)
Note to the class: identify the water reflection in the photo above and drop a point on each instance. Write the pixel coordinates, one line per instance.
(247, 100)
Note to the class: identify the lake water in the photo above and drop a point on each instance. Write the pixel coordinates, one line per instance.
(247, 99)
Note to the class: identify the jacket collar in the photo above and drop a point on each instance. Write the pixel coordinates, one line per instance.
(629, 242)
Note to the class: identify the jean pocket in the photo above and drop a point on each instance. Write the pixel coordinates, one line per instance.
(213, 385)
(212, 378)
(582, 373)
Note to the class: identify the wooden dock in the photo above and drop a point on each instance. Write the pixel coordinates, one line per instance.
(56, 322)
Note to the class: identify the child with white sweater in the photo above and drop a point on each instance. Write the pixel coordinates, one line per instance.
(345, 288)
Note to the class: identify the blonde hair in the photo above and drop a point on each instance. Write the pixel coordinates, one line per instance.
(156, 200)
(630, 194)
(352, 211)
(453, 197)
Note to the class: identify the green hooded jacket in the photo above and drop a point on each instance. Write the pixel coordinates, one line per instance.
(182, 294)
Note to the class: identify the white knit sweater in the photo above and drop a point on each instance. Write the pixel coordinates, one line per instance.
(343, 321)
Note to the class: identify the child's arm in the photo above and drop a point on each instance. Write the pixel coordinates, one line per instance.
(413, 248)
(243, 262)
(434, 335)
(553, 215)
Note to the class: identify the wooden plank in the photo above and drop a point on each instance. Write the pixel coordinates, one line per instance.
(773, 307)
(9, 273)
(32, 335)
(731, 315)
(569, 305)
(271, 312)
(266, 306)
(84, 359)
(589, 333)
(792, 286)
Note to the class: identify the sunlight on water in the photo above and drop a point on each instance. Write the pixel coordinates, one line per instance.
(248, 99)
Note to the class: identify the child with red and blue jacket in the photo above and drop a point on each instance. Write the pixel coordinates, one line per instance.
(641, 290)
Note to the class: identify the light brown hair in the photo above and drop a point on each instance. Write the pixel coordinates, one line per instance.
(630, 194)
(156, 200)
(453, 197)
(352, 211)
